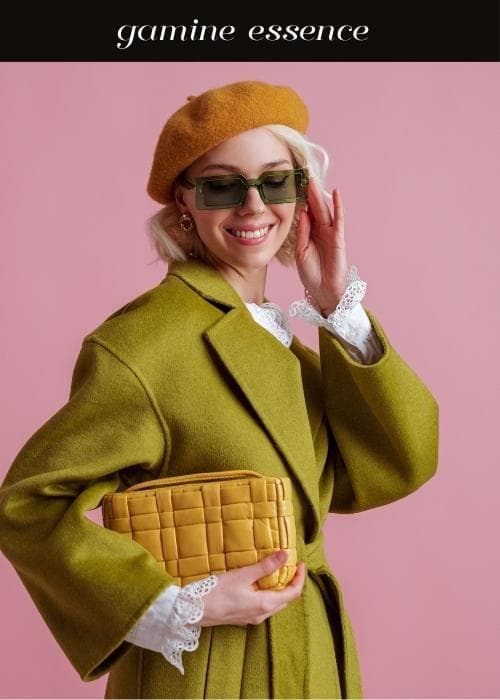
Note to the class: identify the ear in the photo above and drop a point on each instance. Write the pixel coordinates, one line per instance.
(179, 198)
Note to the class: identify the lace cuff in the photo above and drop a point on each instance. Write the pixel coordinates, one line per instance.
(167, 625)
(349, 321)
(183, 633)
(149, 630)
(366, 347)
(342, 320)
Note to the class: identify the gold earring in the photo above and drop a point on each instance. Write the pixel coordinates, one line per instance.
(186, 223)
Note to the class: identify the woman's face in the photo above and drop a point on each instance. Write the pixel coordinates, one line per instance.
(250, 154)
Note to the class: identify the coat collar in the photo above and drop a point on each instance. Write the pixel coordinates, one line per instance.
(206, 281)
(282, 384)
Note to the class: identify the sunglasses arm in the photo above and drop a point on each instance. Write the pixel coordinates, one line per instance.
(186, 183)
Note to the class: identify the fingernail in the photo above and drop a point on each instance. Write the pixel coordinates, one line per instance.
(281, 555)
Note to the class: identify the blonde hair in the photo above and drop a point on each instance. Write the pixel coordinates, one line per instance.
(172, 243)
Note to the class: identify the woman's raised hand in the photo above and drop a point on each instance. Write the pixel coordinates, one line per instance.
(320, 253)
(236, 601)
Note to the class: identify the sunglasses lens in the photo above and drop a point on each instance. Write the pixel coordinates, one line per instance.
(222, 192)
(280, 187)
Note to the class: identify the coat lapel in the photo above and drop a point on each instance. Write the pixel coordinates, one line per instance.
(269, 374)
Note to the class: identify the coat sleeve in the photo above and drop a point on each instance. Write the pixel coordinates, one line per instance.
(384, 423)
(90, 584)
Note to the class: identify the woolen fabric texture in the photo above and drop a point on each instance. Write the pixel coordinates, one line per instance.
(214, 116)
(180, 380)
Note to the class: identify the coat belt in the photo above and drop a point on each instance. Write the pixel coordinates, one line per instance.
(312, 553)
(289, 630)
(288, 637)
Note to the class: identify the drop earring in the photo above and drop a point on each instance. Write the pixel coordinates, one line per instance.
(186, 223)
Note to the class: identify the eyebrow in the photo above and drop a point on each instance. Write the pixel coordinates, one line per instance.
(235, 169)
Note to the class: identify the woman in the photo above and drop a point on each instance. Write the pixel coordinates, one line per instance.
(203, 373)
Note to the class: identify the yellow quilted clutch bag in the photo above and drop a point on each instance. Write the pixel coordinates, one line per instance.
(209, 523)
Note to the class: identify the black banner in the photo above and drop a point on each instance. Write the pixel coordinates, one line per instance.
(355, 31)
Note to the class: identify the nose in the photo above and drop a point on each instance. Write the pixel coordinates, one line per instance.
(252, 202)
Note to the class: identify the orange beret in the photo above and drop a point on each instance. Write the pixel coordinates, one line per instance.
(214, 116)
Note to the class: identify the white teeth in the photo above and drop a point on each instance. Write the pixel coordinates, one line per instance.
(250, 234)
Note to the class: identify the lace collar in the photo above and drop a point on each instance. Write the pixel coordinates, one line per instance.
(273, 319)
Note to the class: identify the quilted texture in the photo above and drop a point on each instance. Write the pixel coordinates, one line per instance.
(197, 529)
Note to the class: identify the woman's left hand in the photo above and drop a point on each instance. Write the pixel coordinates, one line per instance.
(320, 249)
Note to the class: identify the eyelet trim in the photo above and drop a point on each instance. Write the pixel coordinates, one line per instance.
(183, 633)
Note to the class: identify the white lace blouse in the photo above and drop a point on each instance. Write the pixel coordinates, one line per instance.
(169, 625)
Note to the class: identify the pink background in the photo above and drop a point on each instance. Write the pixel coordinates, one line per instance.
(415, 150)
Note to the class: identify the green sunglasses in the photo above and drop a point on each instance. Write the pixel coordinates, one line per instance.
(225, 191)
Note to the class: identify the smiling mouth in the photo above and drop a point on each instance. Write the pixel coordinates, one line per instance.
(243, 233)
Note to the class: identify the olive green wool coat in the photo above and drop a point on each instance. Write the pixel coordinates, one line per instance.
(182, 379)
